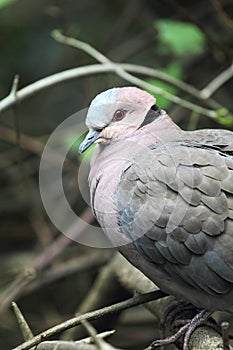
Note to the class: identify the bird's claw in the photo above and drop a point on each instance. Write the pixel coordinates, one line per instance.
(185, 331)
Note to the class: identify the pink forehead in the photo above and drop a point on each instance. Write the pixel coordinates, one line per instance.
(135, 95)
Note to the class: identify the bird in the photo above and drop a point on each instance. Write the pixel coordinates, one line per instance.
(164, 196)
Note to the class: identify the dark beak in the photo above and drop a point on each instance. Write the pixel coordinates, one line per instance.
(91, 137)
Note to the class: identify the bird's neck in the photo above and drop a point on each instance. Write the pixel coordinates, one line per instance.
(162, 130)
(110, 161)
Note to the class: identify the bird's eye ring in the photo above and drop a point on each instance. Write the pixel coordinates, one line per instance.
(119, 115)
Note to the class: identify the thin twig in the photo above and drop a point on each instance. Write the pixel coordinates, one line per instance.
(57, 35)
(173, 98)
(52, 80)
(105, 290)
(15, 85)
(154, 73)
(82, 344)
(102, 335)
(93, 334)
(25, 329)
(118, 68)
(121, 71)
(92, 315)
(78, 44)
(95, 69)
(217, 82)
(65, 345)
(73, 73)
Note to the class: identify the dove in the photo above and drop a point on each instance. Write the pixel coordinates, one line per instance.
(164, 196)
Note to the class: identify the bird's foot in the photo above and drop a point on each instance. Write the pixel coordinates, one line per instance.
(185, 331)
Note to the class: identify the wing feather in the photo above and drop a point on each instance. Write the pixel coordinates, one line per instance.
(178, 206)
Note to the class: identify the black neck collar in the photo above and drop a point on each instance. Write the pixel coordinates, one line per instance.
(152, 114)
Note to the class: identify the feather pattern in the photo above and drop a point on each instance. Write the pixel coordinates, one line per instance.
(165, 194)
(193, 194)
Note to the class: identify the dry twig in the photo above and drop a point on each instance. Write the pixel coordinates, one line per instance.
(92, 315)
(122, 71)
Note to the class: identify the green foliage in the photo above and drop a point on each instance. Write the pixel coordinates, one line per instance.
(174, 70)
(180, 38)
(224, 118)
(4, 3)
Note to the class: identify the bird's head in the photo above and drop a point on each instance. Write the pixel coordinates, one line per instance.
(116, 113)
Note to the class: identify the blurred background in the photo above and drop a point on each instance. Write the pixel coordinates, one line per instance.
(48, 275)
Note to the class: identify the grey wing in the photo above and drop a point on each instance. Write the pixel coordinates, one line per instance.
(218, 139)
(176, 204)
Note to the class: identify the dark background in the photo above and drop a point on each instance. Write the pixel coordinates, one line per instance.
(125, 31)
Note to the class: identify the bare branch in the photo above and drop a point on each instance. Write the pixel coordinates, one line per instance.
(131, 78)
(217, 82)
(204, 337)
(51, 80)
(120, 70)
(92, 315)
(14, 86)
(102, 335)
(78, 44)
(100, 343)
(82, 344)
(65, 345)
(25, 329)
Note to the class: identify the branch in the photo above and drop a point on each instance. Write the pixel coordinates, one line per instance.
(92, 315)
(82, 344)
(51, 80)
(73, 73)
(154, 73)
(121, 70)
(78, 72)
(57, 35)
(70, 345)
(217, 82)
(14, 86)
(99, 342)
(25, 329)
(78, 44)
(203, 338)
(65, 345)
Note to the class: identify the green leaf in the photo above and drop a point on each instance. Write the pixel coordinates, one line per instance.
(4, 3)
(224, 117)
(181, 38)
(173, 70)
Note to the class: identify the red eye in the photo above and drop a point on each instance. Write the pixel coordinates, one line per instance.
(119, 115)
